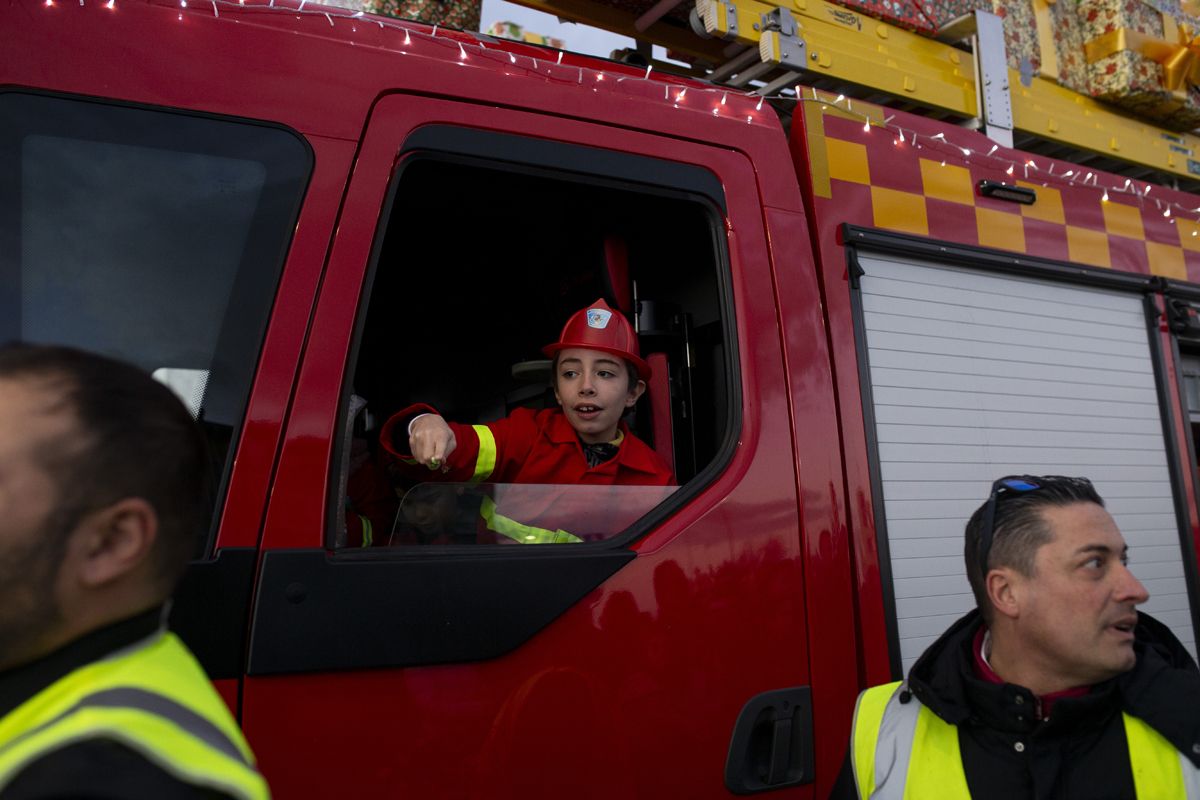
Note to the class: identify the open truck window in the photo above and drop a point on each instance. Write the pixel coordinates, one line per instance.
(149, 236)
(477, 266)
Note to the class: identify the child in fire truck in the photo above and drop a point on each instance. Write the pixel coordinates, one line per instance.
(598, 376)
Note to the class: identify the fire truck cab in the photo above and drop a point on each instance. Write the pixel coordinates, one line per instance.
(304, 220)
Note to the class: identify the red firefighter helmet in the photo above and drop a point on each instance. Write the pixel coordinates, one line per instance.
(599, 327)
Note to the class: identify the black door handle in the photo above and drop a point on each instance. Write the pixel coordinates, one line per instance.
(772, 745)
(781, 752)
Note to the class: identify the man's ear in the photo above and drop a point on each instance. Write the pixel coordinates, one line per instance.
(635, 393)
(114, 542)
(1004, 590)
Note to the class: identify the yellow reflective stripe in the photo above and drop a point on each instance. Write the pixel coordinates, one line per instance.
(939, 769)
(518, 532)
(152, 696)
(903, 751)
(156, 739)
(868, 716)
(368, 531)
(485, 462)
(1157, 771)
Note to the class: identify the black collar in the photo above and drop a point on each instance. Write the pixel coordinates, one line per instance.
(1162, 689)
(20, 683)
(944, 679)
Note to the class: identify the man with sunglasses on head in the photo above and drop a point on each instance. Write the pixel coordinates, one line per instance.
(1053, 687)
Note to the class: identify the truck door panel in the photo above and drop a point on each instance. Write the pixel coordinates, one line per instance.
(629, 684)
(828, 571)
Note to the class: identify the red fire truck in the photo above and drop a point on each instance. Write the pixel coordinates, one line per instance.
(303, 219)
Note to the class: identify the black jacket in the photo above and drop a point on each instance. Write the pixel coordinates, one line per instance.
(95, 769)
(1080, 752)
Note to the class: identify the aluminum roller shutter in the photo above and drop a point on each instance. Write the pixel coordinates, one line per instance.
(976, 375)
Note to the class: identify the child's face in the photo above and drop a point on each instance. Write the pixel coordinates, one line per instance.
(593, 389)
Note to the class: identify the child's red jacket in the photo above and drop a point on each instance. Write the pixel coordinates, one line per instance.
(525, 447)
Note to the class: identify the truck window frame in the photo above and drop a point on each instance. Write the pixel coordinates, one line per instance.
(527, 155)
(469, 590)
(269, 279)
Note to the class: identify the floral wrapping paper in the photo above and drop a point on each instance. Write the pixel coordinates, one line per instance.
(1020, 34)
(943, 11)
(511, 30)
(1125, 78)
(927, 16)
(461, 14)
(1069, 42)
(907, 14)
(1020, 25)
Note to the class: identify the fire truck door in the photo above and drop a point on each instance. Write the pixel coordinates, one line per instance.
(395, 649)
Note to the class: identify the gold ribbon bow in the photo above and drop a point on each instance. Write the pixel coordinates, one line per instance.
(1180, 61)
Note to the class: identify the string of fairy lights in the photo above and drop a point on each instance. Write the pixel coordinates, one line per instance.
(1043, 173)
(718, 101)
(728, 103)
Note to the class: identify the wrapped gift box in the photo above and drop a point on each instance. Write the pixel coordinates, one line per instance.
(461, 14)
(944, 11)
(1104, 49)
(1020, 26)
(1118, 51)
(511, 30)
(1112, 50)
(907, 14)
(928, 16)
(1020, 35)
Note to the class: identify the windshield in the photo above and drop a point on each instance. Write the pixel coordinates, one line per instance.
(149, 236)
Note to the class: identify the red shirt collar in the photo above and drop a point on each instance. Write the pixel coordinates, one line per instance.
(984, 672)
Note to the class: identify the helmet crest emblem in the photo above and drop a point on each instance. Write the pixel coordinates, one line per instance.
(598, 317)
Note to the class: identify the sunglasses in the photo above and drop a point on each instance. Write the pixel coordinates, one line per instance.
(1010, 486)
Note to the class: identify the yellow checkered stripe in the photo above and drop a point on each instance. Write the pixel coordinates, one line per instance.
(907, 212)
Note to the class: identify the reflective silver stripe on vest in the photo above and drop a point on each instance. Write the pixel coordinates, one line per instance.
(893, 750)
(150, 702)
(1191, 777)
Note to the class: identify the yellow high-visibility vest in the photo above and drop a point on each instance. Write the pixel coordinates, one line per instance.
(888, 736)
(519, 532)
(151, 697)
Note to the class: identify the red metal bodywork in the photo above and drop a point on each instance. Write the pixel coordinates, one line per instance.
(768, 578)
(638, 686)
(732, 555)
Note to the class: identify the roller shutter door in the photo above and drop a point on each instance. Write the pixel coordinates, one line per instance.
(975, 375)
